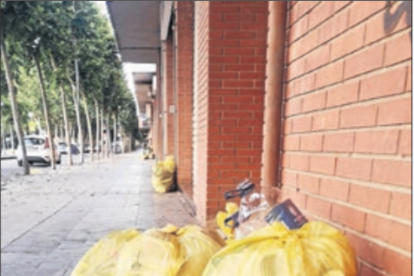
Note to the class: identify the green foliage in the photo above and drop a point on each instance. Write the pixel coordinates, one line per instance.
(63, 31)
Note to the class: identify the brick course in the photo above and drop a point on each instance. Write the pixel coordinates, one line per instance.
(230, 65)
(346, 122)
(347, 135)
(183, 67)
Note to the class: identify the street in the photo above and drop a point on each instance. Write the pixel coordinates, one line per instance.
(51, 218)
(9, 167)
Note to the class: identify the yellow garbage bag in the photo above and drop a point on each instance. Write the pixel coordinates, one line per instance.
(163, 175)
(313, 250)
(221, 216)
(101, 259)
(167, 252)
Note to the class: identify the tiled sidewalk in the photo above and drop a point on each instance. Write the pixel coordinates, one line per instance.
(50, 220)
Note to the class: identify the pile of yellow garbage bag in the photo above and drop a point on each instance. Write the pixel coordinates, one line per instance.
(102, 258)
(170, 251)
(163, 175)
(316, 249)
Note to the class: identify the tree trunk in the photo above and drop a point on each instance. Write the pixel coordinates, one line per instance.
(15, 108)
(46, 114)
(97, 129)
(122, 135)
(103, 137)
(78, 120)
(11, 138)
(56, 138)
(65, 118)
(108, 138)
(115, 134)
(70, 134)
(88, 121)
(39, 126)
(4, 142)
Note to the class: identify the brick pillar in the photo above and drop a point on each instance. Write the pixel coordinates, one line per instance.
(154, 128)
(160, 108)
(169, 94)
(201, 30)
(229, 91)
(183, 67)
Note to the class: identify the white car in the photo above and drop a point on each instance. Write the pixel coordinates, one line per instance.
(38, 150)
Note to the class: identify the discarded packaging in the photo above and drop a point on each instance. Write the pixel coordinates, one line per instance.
(314, 249)
(252, 212)
(288, 214)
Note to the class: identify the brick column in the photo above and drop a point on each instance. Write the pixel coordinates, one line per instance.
(183, 67)
(169, 94)
(160, 107)
(231, 60)
(154, 128)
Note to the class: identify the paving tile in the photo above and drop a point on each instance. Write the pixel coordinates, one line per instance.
(51, 219)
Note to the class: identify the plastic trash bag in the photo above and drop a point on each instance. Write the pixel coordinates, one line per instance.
(252, 215)
(252, 211)
(231, 209)
(163, 175)
(168, 252)
(101, 259)
(313, 250)
(199, 248)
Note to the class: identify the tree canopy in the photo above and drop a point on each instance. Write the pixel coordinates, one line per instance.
(63, 31)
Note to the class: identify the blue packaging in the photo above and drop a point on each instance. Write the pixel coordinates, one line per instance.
(288, 214)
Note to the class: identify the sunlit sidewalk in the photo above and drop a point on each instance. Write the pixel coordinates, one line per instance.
(50, 219)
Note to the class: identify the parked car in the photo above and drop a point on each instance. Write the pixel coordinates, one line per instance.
(87, 148)
(63, 148)
(38, 150)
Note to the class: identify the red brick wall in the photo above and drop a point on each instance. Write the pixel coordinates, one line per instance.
(347, 125)
(184, 90)
(230, 100)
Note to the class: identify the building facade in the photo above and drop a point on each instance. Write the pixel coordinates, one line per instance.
(311, 96)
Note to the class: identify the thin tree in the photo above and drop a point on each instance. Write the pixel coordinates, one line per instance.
(88, 122)
(97, 144)
(65, 115)
(12, 15)
(13, 101)
(45, 110)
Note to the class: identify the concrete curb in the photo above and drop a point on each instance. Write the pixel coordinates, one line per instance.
(8, 157)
